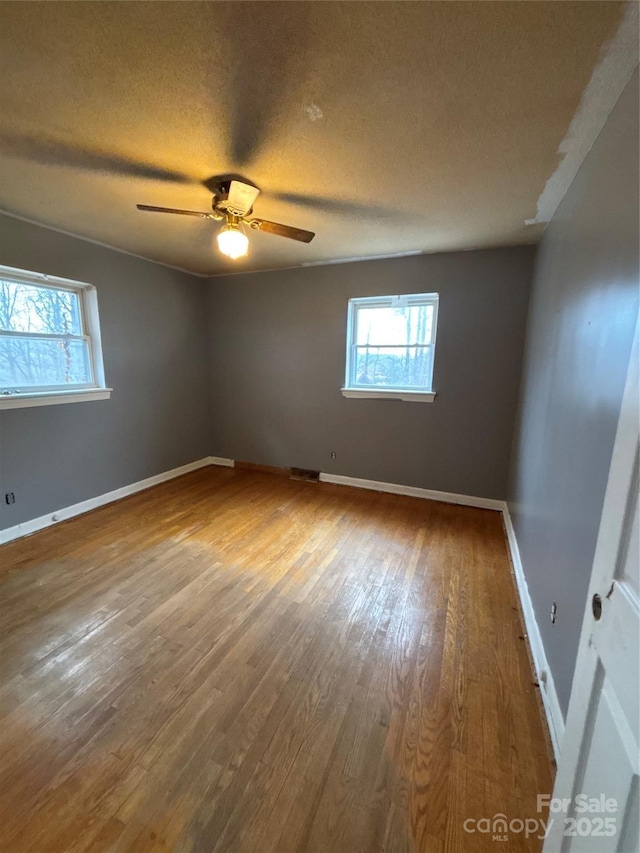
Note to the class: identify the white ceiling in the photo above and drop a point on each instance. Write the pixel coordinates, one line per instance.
(383, 127)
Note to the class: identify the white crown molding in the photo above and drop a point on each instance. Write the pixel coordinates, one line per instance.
(359, 258)
(102, 245)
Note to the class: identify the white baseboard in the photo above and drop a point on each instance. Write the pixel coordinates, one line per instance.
(35, 524)
(553, 713)
(555, 719)
(221, 460)
(413, 491)
(547, 688)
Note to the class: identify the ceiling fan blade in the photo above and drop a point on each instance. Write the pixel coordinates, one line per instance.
(242, 197)
(152, 209)
(282, 230)
(53, 152)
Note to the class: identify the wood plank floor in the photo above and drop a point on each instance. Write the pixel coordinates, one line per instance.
(234, 661)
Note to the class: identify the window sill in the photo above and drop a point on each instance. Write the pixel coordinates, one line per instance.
(381, 394)
(52, 398)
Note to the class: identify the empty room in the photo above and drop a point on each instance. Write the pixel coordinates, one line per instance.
(319, 427)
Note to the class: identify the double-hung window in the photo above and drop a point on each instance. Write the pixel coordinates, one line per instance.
(391, 347)
(50, 348)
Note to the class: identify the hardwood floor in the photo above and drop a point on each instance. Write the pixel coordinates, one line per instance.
(234, 661)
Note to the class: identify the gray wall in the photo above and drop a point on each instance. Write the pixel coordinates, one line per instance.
(278, 353)
(154, 345)
(583, 312)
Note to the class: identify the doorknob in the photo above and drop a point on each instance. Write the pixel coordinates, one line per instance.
(596, 607)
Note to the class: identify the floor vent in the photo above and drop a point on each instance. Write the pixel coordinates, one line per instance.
(305, 474)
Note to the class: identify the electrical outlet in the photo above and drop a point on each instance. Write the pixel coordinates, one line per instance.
(10, 498)
(333, 454)
(554, 613)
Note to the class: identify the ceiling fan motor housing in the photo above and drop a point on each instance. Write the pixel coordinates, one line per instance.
(220, 203)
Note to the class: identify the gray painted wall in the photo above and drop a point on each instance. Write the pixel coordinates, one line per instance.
(278, 353)
(154, 345)
(583, 312)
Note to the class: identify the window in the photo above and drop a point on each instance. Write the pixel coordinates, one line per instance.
(49, 341)
(391, 347)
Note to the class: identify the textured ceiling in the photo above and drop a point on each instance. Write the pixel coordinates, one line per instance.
(383, 127)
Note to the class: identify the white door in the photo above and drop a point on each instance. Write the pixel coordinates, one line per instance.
(596, 795)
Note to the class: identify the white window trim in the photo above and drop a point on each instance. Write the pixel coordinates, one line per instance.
(383, 394)
(48, 396)
(414, 395)
(52, 398)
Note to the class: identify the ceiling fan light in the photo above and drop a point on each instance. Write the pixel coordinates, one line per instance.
(232, 242)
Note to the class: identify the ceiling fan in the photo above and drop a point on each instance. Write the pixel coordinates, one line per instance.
(233, 203)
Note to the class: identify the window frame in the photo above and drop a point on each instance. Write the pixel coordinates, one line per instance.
(352, 389)
(12, 397)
